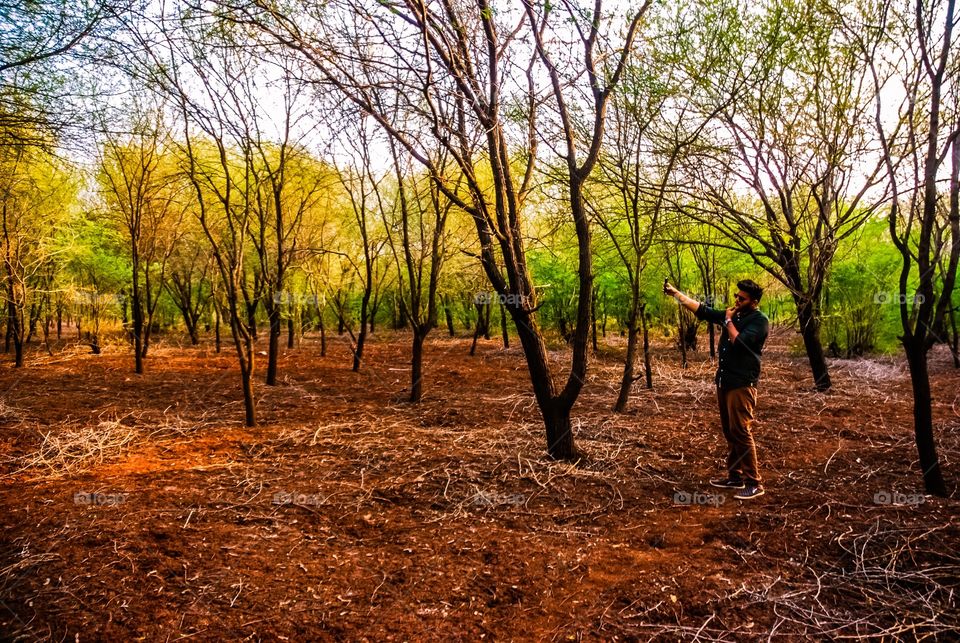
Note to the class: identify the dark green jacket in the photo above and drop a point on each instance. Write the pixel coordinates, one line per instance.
(740, 359)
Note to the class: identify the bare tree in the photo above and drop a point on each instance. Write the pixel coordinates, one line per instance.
(421, 230)
(459, 70)
(924, 218)
(789, 169)
(143, 195)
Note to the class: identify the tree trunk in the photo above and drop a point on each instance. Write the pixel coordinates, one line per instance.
(810, 331)
(216, 327)
(273, 351)
(560, 444)
(137, 311)
(593, 321)
(416, 370)
(252, 319)
(362, 336)
(290, 332)
(323, 333)
(246, 377)
(449, 315)
(16, 333)
(626, 381)
(555, 411)
(646, 347)
(482, 326)
(923, 419)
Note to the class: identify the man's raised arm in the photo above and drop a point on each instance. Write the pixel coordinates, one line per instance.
(690, 304)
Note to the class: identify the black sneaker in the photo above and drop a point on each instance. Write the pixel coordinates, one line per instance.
(749, 493)
(727, 483)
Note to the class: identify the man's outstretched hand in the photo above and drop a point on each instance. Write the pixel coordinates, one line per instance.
(669, 290)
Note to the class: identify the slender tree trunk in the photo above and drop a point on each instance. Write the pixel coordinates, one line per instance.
(216, 327)
(482, 326)
(646, 347)
(593, 321)
(290, 331)
(246, 378)
(810, 331)
(137, 311)
(8, 334)
(362, 335)
(273, 352)
(17, 334)
(323, 333)
(682, 337)
(416, 370)
(626, 381)
(252, 319)
(923, 419)
(449, 315)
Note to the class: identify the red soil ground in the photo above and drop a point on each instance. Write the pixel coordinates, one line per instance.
(349, 514)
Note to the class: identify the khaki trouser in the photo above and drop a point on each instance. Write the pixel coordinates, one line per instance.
(736, 418)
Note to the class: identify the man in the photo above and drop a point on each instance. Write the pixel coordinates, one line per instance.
(744, 332)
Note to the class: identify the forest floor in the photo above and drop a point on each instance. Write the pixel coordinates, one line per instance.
(140, 508)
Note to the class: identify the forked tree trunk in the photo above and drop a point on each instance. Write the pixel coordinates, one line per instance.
(555, 411)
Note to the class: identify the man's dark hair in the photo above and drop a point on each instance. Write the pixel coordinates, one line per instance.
(751, 288)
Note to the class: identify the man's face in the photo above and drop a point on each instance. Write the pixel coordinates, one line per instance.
(742, 300)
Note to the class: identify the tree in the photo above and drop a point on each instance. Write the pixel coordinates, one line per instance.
(34, 197)
(363, 188)
(923, 218)
(37, 36)
(790, 168)
(468, 84)
(144, 197)
(421, 230)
